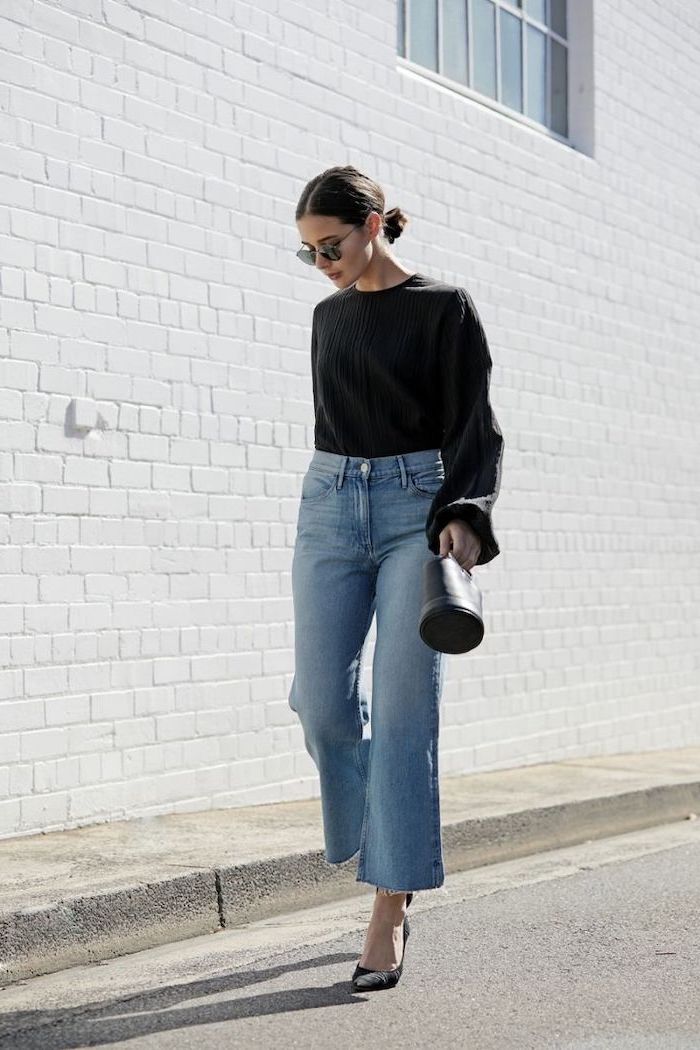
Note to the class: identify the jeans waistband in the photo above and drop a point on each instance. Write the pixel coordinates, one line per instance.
(377, 466)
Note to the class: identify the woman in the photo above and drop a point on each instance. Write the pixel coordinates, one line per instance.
(406, 449)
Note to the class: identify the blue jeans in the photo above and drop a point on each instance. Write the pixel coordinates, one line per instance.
(360, 548)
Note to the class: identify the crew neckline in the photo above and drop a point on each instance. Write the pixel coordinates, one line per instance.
(382, 291)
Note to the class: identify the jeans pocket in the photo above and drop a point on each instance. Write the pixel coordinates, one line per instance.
(427, 482)
(317, 485)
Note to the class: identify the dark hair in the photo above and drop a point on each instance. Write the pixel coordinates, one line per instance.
(350, 196)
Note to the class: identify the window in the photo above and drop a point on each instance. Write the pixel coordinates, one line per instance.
(512, 51)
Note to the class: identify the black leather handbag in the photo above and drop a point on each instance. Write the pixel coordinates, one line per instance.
(451, 612)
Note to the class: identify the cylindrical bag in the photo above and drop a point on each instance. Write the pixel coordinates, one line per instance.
(451, 612)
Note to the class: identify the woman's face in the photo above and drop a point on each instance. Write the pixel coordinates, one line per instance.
(355, 247)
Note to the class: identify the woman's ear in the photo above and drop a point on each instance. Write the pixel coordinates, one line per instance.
(374, 223)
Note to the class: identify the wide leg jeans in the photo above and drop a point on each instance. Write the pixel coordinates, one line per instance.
(360, 548)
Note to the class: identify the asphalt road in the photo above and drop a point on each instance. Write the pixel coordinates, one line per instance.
(593, 947)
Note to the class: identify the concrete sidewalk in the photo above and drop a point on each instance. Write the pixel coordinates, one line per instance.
(73, 897)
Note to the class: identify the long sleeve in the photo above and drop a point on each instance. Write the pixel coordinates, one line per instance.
(314, 359)
(472, 444)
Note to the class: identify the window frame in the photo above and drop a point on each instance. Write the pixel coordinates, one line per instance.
(404, 22)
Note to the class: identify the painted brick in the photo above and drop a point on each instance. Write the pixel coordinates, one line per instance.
(151, 157)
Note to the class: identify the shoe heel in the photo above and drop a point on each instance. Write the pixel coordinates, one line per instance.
(381, 979)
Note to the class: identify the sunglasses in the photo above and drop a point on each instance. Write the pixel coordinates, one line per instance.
(328, 251)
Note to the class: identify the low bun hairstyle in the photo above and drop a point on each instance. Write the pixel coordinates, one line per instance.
(394, 222)
(350, 196)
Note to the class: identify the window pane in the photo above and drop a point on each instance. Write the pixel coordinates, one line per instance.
(536, 9)
(511, 65)
(423, 33)
(401, 28)
(559, 98)
(557, 16)
(535, 64)
(454, 40)
(484, 27)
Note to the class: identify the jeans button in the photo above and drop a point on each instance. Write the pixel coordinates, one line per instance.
(364, 467)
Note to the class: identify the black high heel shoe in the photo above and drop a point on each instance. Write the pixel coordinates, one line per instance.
(364, 980)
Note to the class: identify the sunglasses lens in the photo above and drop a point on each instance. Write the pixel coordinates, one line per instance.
(328, 251)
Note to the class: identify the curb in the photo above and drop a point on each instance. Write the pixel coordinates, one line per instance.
(89, 927)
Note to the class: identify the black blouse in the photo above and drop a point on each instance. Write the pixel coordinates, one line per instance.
(404, 369)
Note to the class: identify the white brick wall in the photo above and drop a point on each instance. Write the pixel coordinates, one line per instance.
(155, 396)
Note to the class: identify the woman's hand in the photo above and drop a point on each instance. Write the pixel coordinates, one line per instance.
(460, 539)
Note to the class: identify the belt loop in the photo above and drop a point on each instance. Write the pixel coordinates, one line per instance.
(402, 468)
(341, 472)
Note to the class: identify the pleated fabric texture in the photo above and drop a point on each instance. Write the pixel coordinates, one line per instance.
(405, 369)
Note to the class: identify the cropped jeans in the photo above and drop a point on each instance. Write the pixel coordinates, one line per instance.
(360, 549)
